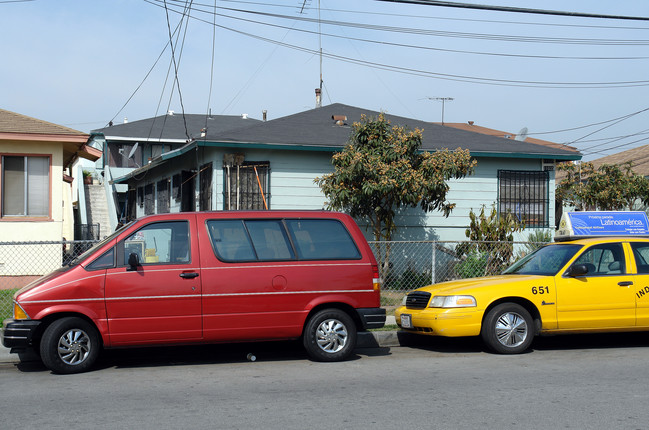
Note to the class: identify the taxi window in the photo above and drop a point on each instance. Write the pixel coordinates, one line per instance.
(641, 255)
(604, 259)
(547, 260)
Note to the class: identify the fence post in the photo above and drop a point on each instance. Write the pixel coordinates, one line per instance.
(433, 263)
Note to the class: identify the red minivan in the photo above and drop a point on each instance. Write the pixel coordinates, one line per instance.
(205, 277)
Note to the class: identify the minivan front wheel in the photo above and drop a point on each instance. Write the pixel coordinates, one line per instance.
(70, 345)
(330, 335)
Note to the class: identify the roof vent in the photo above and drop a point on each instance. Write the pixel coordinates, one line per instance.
(244, 116)
(507, 136)
(339, 119)
(125, 120)
(170, 113)
(471, 122)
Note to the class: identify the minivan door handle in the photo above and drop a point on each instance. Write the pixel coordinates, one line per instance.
(189, 275)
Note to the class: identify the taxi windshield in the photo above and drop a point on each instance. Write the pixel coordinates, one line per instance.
(547, 260)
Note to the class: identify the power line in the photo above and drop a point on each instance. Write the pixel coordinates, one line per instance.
(515, 9)
(452, 77)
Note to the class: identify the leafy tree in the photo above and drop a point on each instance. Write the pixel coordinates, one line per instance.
(382, 169)
(493, 235)
(610, 187)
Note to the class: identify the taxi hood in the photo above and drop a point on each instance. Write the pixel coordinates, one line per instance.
(467, 286)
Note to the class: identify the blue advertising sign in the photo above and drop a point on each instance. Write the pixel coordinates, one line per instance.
(604, 224)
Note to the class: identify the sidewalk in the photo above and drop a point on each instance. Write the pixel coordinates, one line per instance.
(374, 339)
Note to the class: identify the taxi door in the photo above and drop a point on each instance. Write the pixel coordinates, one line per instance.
(604, 297)
(158, 300)
(641, 257)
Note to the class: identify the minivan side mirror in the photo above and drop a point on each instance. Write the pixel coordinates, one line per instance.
(133, 261)
(577, 270)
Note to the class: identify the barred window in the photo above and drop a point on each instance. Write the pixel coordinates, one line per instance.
(525, 194)
(246, 186)
(149, 202)
(162, 188)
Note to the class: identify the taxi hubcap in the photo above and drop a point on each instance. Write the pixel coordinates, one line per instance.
(511, 329)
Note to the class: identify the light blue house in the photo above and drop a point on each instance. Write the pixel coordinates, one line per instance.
(251, 164)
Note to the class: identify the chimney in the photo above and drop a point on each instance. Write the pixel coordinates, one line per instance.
(471, 122)
(264, 114)
(318, 97)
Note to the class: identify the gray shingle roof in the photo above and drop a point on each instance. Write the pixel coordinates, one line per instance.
(316, 128)
(172, 127)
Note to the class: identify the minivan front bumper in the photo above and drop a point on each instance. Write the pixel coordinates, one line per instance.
(371, 317)
(18, 333)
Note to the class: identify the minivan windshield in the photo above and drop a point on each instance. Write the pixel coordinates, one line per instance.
(547, 260)
(98, 245)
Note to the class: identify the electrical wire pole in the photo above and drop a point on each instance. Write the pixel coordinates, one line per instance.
(443, 100)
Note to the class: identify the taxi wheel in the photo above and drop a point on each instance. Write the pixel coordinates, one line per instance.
(508, 329)
(330, 335)
(70, 345)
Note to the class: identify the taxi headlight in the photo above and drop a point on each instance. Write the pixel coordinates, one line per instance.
(453, 302)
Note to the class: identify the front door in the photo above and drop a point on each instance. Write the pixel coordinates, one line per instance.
(604, 297)
(159, 301)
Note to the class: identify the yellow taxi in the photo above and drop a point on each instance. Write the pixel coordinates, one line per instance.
(587, 285)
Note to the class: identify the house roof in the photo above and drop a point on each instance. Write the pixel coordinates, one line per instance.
(171, 128)
(316, 128)
(470, 126)
(14, 126)
(639, 158)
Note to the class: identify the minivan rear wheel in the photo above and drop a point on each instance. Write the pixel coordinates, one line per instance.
(330, 335)
(70, 345)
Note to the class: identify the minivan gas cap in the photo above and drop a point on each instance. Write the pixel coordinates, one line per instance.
(279, 283)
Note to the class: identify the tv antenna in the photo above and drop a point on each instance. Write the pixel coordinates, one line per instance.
(443, 100)
(522, 135)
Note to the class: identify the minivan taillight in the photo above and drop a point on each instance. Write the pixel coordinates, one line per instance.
(376, 278)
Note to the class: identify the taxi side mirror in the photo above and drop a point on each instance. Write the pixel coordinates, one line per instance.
(578, 270)
(133, 261)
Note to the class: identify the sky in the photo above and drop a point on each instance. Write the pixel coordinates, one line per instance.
(567, 79)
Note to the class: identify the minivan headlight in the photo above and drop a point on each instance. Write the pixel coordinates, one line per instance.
(453, 302)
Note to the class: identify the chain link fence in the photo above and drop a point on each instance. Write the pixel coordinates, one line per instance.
(404, 266)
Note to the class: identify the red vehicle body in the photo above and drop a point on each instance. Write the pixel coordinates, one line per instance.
(205, 277)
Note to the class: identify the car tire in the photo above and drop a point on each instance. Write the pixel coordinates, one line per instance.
(508, 328)
(70, 345)
(330, 335)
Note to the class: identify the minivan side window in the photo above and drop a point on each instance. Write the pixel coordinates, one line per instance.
(230, 240)
(270, 240)
(159, 243)
(322, 239)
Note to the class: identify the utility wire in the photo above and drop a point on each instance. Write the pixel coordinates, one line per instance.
(452, 77)
(515, 9)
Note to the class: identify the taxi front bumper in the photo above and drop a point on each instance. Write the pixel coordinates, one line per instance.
(453, 322)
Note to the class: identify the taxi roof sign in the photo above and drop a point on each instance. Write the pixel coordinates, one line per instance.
(574, 225)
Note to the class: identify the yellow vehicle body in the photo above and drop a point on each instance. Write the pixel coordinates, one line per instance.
(586, 285)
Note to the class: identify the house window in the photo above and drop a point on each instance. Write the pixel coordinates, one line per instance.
(119, 155)
(205, 181)
(25, 186)
(149, 202)
(524, 194)
(162, 188)
(246, 186)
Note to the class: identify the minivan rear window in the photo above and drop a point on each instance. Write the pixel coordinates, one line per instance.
(322, 239)
(277, 240)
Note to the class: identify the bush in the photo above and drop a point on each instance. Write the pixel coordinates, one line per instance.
(473, 266)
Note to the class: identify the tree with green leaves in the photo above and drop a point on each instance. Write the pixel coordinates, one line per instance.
(382, 169)
(609, 187)
(492, 236)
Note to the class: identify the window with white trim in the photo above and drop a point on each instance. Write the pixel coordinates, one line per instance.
(25, 186)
